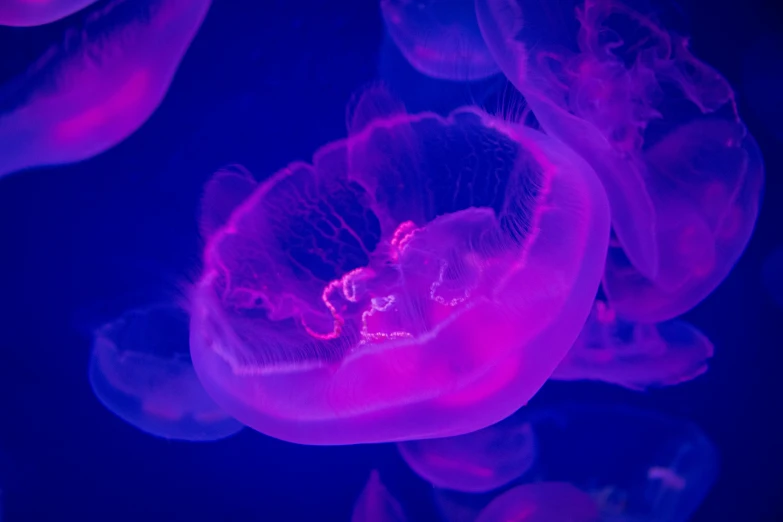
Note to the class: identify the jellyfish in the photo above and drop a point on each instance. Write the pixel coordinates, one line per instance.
(98, 86)
(541, 502)
(635, 355)
(376, 504)
(772, 275)
(141, 371)
(421, 278)
(25, 13)
(637, 465)
(661, 129)
(225, 190)
(476, 462)
(439, 38)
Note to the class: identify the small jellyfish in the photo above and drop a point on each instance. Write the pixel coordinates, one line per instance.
(225, 190)
(439, 38)
(772, 275)
(475, 462)
(541, 502)
(98, 86)
(660, 128)
(25, 13)
(637, 465)
(635, 355)
(421, 278)
(376, 504)
(141, 371)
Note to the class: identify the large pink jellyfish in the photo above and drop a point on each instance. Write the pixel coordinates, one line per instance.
(141, 371)
(660, 127)
(422, 278)
(439, 38)
(376, 504)
(541, 502)
(635, 355)
(99, 86)
(475, 462)
(24, 13)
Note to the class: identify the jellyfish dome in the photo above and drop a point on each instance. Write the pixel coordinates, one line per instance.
(421, 278)
(637, 465)
(661, 129)
(25, 13)
(541, 502)
(439, 38)
(141, 371)
(475, 462)
(376, 503)
(636, 356)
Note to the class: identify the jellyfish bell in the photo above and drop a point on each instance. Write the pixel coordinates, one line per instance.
(660, 128)
(25, 13)
(140, 370)
(97, 87)
(636, 464)
(541, 502)
(475, 462)
(223, 192)
(636, 356)
(376, 503)
(420, 279)
(439, 38)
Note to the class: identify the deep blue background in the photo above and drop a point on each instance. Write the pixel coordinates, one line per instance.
(263, 84)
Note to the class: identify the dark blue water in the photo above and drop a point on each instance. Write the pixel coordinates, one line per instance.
(265, 83)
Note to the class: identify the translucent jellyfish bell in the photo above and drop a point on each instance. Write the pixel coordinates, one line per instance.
(475, 462)
(637, 465)
(24, 13)
(98, 86)
(141, 371)
(635, 355)
(660, 127)
(376, 504)
(422, 278)
(439, 38)
(225, 190)
(541, 502)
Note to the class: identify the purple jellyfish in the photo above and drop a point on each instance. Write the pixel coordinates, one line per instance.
(634, 355)
(25, 13)
(439, 38)
(475, 462)
(541, 502)
(141, 371)
(99, 86)
(636, 465)
(376, 504)
(225, 190)
(422, 278)
(660, 128)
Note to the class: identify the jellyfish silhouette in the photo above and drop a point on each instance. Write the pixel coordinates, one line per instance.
(225, 190)
(635, 355)
(637, 465)
(439, 38)
(541, 502)
(660, 128)
(24, 13)
(376, 504)
(141, 371)
(476, 462)
(98, 86)
(421, 278)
